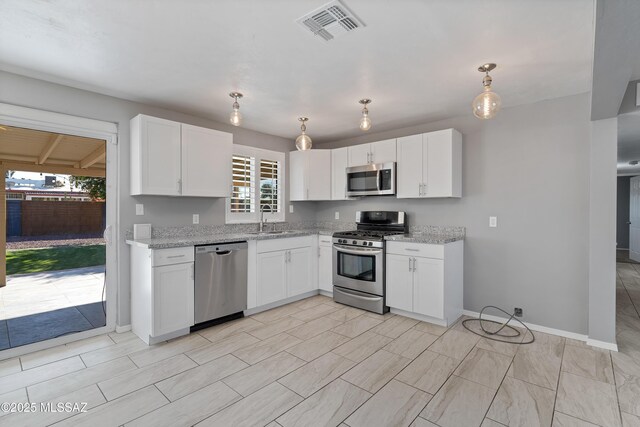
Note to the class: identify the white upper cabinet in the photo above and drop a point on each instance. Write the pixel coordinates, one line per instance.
(359, 154)
(383, 151)
(155, 156)
(339, 163)
(375, 152)
(409, 171)
(310, 175)
(430, 165)
(175, 159)
(205, 170)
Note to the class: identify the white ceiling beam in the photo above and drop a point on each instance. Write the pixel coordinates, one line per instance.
(57, 169)
(93, 158)
(48, 149)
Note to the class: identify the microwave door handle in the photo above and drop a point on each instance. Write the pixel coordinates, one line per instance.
(379, 180)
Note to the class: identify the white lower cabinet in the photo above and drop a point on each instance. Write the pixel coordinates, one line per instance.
(399, 282)
(172, 298)
(272, 277)
(162, 292)
(426, 280)
(325, 264)
(285, 268)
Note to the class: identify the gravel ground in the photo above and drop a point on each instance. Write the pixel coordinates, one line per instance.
(14, 243)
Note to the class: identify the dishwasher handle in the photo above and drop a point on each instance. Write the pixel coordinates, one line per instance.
(224, 253)
(221, 248)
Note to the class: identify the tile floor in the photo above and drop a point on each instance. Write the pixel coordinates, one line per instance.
(316, 363)
(36, 307)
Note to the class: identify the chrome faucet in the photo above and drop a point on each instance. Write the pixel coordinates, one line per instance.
(262, 220)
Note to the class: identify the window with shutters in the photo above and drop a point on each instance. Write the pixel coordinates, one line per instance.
(258, 185)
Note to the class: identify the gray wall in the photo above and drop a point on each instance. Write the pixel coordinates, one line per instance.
(159, 211)
(622, 212)
(628, 104)
(529, 167)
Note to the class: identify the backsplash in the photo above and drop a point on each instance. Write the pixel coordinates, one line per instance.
(438, 230)
(204, 230)
(201, 230)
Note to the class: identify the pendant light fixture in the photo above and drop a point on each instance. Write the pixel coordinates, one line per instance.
(303, 142)
(487, 104)
(365, 121)
(235, 118)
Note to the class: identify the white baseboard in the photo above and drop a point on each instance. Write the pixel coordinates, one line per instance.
(420, 317)
(123, 328)
(289, 300)
(602, 344)
(326, 293)
(531, 326)
(552, 331)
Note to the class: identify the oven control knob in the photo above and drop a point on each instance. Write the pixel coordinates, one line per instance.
(370, 243)
(355, 242)
(364, 243)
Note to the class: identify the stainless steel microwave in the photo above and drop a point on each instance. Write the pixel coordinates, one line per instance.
(371, 180)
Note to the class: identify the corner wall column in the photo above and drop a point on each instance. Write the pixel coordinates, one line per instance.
(602, 232)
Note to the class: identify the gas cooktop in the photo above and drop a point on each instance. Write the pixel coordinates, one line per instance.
(366, 234)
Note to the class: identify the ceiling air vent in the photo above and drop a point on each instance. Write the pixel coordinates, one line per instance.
(330, 21)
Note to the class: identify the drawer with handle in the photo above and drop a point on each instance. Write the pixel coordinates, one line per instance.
(424, 250)
(172, 256)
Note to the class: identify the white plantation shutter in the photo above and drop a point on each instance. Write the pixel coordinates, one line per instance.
(258, 182)
(269, 185)
(244, 185)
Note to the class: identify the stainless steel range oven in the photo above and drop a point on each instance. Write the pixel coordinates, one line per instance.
(359, 257)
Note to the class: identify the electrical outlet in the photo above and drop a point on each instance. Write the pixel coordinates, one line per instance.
(517, 312)
(337, 215)
(196, 218)
(139, 209)
(290, 208)
(493, 221)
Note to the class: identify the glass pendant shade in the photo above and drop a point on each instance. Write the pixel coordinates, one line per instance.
(487, 104)
(235, 118)
(303, 142)
(365, 122)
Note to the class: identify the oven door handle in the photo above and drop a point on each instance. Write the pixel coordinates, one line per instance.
(358, 251)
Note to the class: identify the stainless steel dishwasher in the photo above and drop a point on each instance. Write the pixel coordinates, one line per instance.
(220, 281)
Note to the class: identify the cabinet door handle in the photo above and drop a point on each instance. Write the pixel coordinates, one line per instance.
(179, 186)
(411, 250)
(414, 264)
(175, 256)
(409, 264)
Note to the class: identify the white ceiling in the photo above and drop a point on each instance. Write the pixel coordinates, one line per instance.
(628, 142)
(416, 59)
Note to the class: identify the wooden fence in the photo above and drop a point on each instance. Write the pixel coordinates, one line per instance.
(42, 218)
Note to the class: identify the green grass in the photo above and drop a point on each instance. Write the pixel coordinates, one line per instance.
(23, 261)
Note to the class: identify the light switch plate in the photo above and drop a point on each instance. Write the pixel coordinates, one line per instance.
(196, 218)
(290, 208)
(493, 221)
(139, 209)
(337, 215)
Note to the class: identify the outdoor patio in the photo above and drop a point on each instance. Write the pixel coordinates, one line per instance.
(39, 306)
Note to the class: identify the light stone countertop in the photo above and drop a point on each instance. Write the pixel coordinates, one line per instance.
(206, 239)
(428, 238)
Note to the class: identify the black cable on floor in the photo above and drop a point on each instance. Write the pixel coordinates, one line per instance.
(491, 335)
